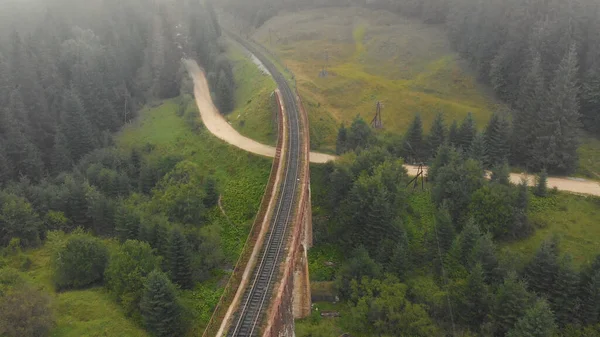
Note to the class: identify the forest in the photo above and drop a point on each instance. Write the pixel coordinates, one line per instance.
(69, 81)
(427, 262)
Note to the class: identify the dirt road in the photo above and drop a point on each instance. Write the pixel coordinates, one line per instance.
(219, 127)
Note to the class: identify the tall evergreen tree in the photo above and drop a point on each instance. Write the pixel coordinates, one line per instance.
(61, 156)
(510, 304)
(467, 241)
(541, 272)
(564, 293)
(224, 94)
(557, 139)
(76, 127)
(541, 185)
(474, 301)
(467, 133)
(501, 174)
(437, 135)
(454, 135)
(413, 144)
(342, 140)
(589, 312)
(497, 135)
(537, 322)
(527, 111)
(484, 253)
(159, 307)
(445, 229)
(180, 260)
(478, 150)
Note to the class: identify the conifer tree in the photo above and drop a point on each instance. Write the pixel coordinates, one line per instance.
(76, 127)
(454, 135)
(475, 300)
(224, 94)
(541, 187)
(511, 301)
(501, 174)
(557, 138)
(541, 272)
(61, 157)
(180, 260)
(342, 140)
(212, 192)
(468, 239)
(538, 321)
(478, 150)
(445, 229)
(5, 167)
(589, 312)
(437, 135)
(590, 98)
(160, 310)
(527, 111)
(564, 293)
(413, 144)
(497, 136)
(484, 253)
(467, 132)
(522, 201)
(127, 223)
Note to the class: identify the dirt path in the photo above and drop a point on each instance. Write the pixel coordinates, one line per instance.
(219, 127)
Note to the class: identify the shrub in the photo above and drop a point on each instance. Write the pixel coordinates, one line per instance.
(80, 262)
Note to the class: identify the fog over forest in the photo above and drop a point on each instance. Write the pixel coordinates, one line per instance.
(121, 213)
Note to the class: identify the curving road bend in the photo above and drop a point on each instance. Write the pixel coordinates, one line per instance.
(219, 127)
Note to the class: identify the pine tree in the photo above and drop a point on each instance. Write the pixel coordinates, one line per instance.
(445, 229)
(127, 223)
(590, 99)
(501, 174)
(510, 304)
(557, 139)
(76, 127)
(541, 187)
(468, 239)
(453, 135)
(159, 307)
(497, 136)
(522, 201)
(224, 94)
(527, 111)
(475, 301)
(478, 150)
(484, 253)
(589, 312)
(541, 272)
(437, 135)
(212, 192)
(538, 321)
(467, 133)
(5, 166)
(180, 260)
(564, 293)
(342, 140)
(413, 144)
(61, 157)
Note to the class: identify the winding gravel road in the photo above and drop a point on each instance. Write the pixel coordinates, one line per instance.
(219, 127)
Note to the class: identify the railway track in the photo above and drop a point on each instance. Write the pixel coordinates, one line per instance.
(249, 317)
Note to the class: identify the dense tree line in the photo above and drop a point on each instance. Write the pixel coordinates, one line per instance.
(474, 286)
(66, 84)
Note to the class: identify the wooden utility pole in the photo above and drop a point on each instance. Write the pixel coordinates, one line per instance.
(377, 123)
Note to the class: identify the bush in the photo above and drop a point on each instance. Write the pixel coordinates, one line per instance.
(80, 262)
(25, 312)
(127, 271)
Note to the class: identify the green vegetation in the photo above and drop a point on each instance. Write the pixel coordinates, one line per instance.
(374, 61)
(254, 113)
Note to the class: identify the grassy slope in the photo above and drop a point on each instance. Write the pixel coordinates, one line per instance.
(574, 219)
(81, 313)
(373, 56)
(253, 115)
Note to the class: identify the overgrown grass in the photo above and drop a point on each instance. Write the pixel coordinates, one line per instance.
(574, 219)
(589, 158)
(254, 115)
(377, 61)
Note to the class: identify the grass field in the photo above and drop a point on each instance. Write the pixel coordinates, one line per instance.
(372, 56)
(573, 219)
(253, 116)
